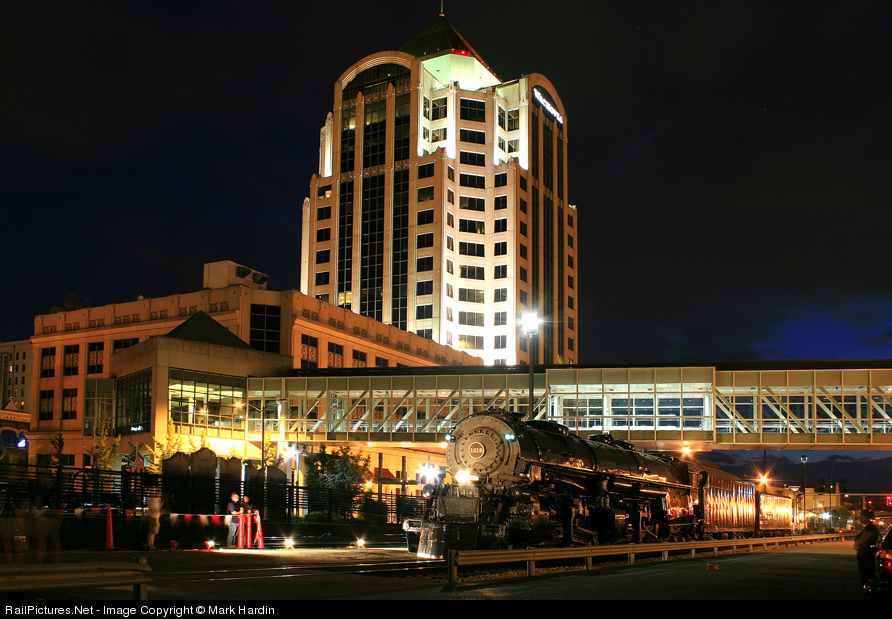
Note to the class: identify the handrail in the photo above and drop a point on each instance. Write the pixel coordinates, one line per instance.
(464, 558)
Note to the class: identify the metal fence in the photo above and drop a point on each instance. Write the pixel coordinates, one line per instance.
(66, 488)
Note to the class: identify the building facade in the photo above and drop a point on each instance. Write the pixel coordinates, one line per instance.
(441, 203)
(187, 358)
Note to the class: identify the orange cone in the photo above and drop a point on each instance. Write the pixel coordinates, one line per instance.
(259, 539)
(109, 535)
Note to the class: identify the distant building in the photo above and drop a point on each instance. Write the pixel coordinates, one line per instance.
(15, 396)
(441, 202)
(187, 358)
(15, 374)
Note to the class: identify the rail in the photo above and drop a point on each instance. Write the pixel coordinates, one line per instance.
(465, 558)
(18, 578)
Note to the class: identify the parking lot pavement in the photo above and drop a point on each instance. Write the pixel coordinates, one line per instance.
(821, 571)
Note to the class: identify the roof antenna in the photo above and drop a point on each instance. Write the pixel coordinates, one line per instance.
(441, 8)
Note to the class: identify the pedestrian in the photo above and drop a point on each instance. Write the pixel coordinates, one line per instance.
(865, 545)
(233, 509)
(153, 514)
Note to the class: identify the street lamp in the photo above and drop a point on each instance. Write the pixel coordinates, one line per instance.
(530, 324)
(803, 459)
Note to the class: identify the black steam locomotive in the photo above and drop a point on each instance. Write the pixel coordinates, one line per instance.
(532, 483)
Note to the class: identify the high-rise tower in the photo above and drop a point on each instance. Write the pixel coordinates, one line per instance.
(440, 205)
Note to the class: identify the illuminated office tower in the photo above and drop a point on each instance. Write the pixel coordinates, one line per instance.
(440, 205)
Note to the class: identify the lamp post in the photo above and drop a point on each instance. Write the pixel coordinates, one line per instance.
(530, 325)
(803, 459)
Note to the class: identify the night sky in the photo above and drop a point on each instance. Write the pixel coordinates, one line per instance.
(730, 160)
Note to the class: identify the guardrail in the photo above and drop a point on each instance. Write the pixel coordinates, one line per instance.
(464, 558)
(17, 578)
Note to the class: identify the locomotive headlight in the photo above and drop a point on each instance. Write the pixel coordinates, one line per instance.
(510, 437)
(462, 477)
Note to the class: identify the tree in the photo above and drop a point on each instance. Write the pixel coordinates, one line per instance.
(160, 452)
(341, 473)
(339, 470)
(104, 453)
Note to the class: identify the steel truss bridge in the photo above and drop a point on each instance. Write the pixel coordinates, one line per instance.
(800, 406)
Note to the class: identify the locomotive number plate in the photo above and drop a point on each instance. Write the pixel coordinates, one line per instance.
(476, 450)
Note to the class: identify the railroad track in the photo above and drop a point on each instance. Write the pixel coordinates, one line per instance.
(410, 567)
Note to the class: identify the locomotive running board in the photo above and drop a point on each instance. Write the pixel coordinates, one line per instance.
(619, 476)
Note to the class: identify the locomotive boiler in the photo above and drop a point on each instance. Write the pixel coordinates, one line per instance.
(528, 483)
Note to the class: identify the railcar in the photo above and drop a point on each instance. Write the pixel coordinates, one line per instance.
(523, 483)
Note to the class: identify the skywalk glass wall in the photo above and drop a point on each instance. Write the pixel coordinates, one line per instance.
(782, 408)
(804, 406)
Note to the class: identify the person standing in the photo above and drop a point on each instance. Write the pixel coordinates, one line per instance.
(153, 514)
(233, 509)
(865, 545)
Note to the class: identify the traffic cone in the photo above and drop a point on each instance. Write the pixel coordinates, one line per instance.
(259, 538)
(109, 535)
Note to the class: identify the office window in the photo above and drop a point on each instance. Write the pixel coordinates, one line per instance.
(47, 362)
(472, 319)
(472, 342)
(472, 225)
(501, 271)
(424, 287)
(322, 279)
(501, 295)
(501, 202)
(469, 158)
(472, 137)
(266, 321)
(471, 204)
(438, 108)
(501, 341)
(424, 311)
(500, 319)
(46, 400)
(69, 404)
(501, 248)
(425, 194)
(470, 109)
(70, 360)
(95, 357)
(513, 120)
(470, 295)
(425, 171)
(501, 225)
(323, 234)
(472, 249)
(426, 217)
(472, 180)
(471, 272)
(424, 264)
(425, 240)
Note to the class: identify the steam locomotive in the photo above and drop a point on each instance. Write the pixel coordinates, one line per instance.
(525, 483)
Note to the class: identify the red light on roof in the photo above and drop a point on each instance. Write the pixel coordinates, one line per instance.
(461, 52)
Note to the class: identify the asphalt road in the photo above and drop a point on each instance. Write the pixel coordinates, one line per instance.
(188, 578)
